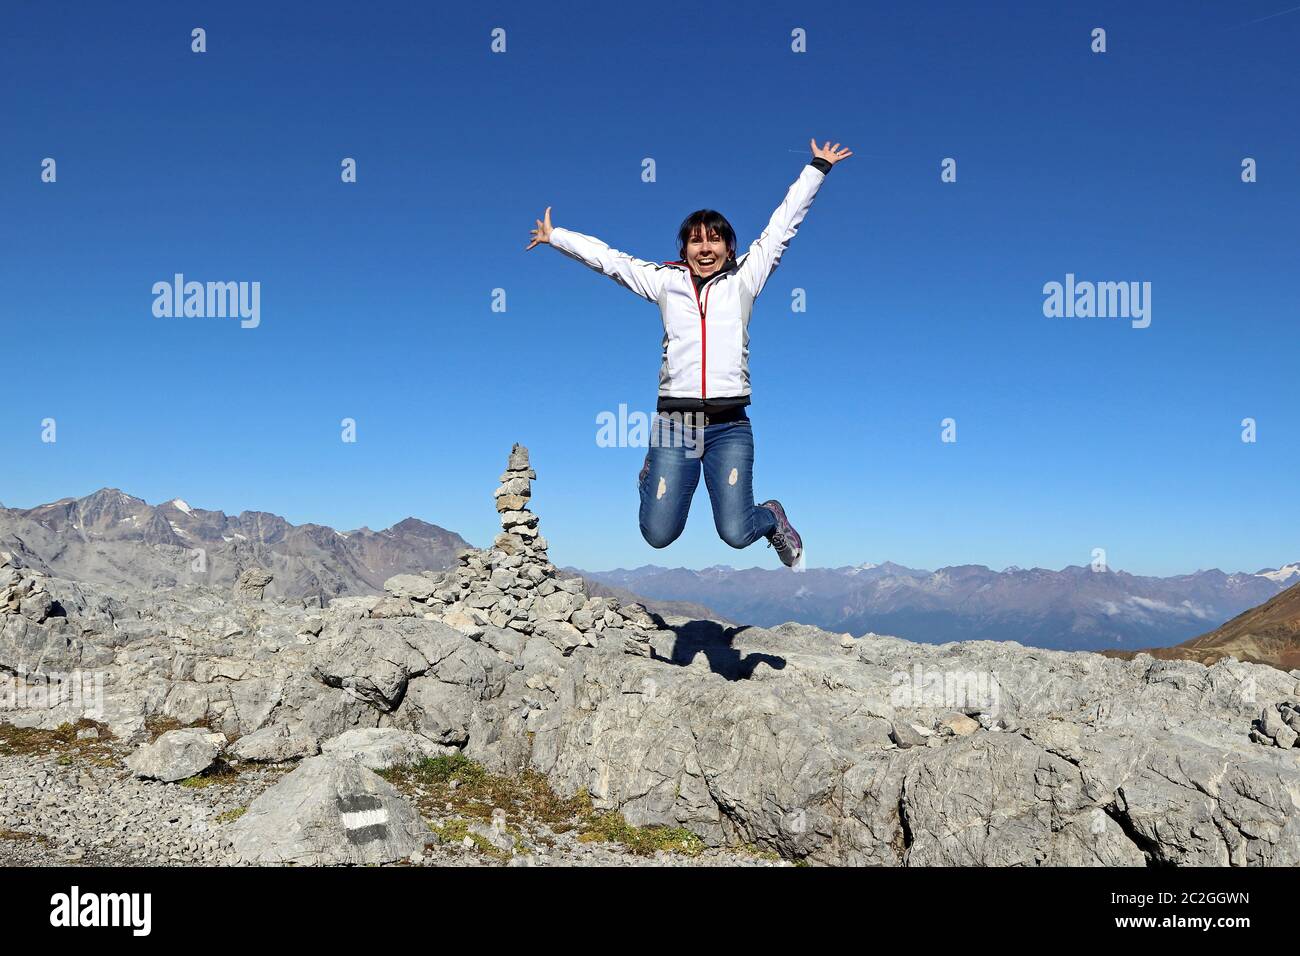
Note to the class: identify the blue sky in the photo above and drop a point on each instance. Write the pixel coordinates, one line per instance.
(924, 298)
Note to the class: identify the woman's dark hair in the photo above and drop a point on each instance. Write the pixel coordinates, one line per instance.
(712, 221)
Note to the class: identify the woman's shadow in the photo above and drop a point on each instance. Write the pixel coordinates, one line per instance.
(715, 641)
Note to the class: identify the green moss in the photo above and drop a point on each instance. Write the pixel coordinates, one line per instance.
(524, 798)
(454, 831)
(439, 770)
(156, 725)
(29, 741)
(757, 852)
(219, 773)
(230, 816)
(644, 841)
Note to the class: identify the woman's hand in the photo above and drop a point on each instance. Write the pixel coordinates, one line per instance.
(543, 231)
(832, 154)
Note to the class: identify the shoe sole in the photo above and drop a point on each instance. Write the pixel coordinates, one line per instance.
(790, 533)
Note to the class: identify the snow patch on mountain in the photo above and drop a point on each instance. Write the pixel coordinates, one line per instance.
(1281, 574)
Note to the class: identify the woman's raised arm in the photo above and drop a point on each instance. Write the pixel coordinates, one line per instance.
(764, 255)
(646, 279)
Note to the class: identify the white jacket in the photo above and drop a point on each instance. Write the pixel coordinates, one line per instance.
(706, 334)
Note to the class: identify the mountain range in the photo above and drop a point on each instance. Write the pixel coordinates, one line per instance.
(110, 537)
(1075, 608)
(1268, 634)
(115, 538)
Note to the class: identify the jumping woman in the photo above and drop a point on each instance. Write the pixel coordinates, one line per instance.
(705, 299)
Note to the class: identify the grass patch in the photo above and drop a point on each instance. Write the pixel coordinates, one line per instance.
(220, 773)
(643, 841)
(525, 798)
(156, 725)
(62, 740)
(436, 771)
(230, 816)
(757, 852)
(456, 830)
(19, 835)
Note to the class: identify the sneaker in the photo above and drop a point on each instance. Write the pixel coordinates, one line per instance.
(788, 544)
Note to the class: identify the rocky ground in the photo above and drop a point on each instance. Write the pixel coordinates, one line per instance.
(498, 714)
(66, 807)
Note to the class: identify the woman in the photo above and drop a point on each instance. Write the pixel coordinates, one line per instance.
(705, 299)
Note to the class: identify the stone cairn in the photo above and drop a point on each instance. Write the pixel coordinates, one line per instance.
(23, 590)
(514, 585)
(1278, 725)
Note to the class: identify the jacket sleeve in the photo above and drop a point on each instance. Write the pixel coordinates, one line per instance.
(765, 254)
(646, 279)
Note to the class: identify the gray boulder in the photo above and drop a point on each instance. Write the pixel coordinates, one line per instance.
(252, 583)
(374, 660)
(177, 754)
(329, 812)
(414, 586)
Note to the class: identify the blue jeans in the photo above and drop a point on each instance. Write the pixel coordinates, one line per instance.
(672, 471)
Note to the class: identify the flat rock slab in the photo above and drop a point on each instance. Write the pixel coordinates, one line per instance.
(274, 745)
(329, 812)
(382, 747)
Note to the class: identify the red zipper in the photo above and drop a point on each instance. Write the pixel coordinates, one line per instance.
(704, 338)
(703, 309)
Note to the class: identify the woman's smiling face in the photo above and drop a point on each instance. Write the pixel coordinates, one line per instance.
(705, 254)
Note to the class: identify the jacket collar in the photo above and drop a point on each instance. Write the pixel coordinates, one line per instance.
(729, 266)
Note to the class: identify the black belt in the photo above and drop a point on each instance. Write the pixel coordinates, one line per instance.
(697, 419)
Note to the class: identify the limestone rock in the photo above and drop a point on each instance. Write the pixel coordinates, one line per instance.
(177, 754)
(274, 745)
(382, 747)
(252, 584)
(414, 586)
(375, 660)
(329, 812)
(959, 725)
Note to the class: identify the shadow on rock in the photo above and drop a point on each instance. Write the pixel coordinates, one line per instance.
(715, 641)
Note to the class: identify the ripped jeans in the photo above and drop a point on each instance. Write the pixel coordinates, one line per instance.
(672, 471)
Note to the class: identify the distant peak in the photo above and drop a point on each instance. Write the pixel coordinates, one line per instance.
(415, 526)
(112, 493)
(180, 505)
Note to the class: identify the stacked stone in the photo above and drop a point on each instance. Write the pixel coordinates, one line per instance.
(23, 591)
(1278, 725)
(514, 585)
(512, 500)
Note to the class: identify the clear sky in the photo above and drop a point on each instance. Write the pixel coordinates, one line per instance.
(924, 298)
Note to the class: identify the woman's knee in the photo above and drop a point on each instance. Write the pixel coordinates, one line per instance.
(735, 534)
(658, 536)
